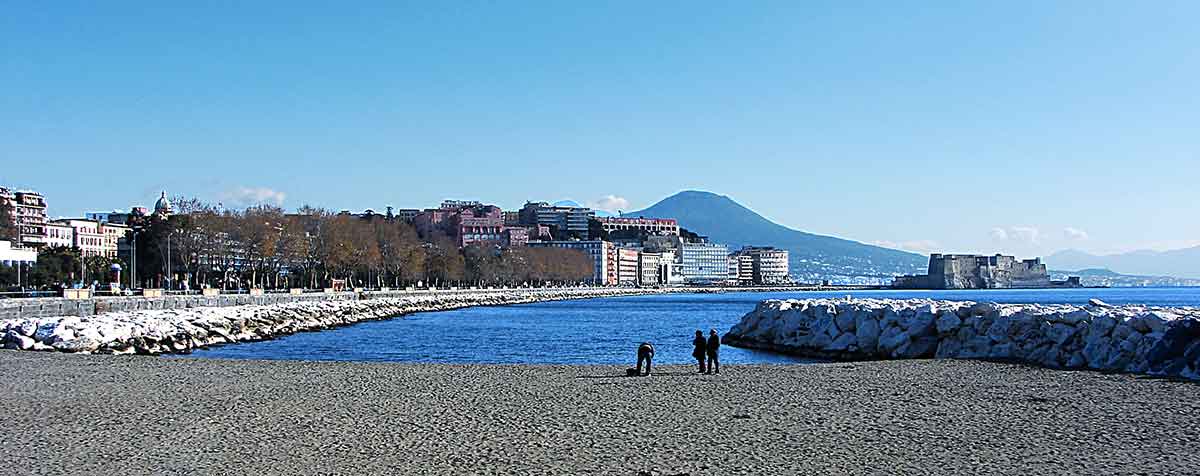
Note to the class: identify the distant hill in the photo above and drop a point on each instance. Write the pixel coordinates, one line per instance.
(1104, 277)
(1182, 263)
(813, 257)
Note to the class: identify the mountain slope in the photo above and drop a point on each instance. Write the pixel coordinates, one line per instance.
(1183, 263)
(812, 256)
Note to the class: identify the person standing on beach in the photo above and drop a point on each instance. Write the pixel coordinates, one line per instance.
(645, 354)
(699, 346)
(714, 347)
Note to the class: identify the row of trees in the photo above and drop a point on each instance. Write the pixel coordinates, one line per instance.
(60, 267)
(263, 247)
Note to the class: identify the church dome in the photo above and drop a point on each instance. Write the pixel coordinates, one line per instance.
(162, 205)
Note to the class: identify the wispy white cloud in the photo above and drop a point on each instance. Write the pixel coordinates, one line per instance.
(610, 203)
(917, 246)
(1020, 234)
(1075, 234)
(254, 196)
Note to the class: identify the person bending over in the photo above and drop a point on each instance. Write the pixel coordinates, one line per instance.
(645, 354)
(714, 347)
(699, 344)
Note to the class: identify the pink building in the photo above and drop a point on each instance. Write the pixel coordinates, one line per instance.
(471, 223)
(93, 238)
(627, 266)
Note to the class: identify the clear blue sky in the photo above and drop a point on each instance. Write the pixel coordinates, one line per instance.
(956, 126)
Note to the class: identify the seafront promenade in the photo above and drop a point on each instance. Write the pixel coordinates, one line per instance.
(136, 415)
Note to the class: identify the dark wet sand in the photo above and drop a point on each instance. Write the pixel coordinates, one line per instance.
(76, 414)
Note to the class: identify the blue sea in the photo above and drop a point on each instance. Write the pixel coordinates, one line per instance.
(606, 330)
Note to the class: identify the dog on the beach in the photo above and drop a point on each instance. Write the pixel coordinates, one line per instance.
(632, 372)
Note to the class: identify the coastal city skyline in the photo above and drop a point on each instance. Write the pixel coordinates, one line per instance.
(818, 116)
(633, 238)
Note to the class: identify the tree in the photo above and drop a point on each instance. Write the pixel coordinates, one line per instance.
(443, 263)
(482, 264)
(296, 250)
(399, 248)
(56, 267)
(8, 221)
(258, 231)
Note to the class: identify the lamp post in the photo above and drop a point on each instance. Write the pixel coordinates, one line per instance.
(170, 277)
(133, 260)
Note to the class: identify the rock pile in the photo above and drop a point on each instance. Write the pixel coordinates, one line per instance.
(1149, 340)
(181, 330)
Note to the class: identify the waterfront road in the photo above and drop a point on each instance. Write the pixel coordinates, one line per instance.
(134, 415)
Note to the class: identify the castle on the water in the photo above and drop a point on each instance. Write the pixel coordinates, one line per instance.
(982, 272)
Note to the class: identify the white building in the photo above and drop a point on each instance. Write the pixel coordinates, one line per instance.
(704, 263)
(762, 265)
(59, 235)
(28, 215)
(653, 226)
(10, 256)
(93, 238)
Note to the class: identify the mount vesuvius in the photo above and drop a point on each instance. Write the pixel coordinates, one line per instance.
(813, 257)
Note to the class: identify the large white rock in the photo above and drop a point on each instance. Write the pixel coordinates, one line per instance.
(948, 323)
(867, 334)
(842, 343)
(1099, 337)
(845, 320)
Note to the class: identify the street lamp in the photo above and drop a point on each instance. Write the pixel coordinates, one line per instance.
(133, 259)
(170, 277)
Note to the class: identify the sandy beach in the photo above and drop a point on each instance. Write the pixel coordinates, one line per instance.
(80, 414)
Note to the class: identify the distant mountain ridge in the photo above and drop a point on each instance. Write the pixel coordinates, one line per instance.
(813, 257)
(1105, 277)
(1181, 263)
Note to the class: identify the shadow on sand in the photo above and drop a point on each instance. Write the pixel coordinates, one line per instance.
(655, 374)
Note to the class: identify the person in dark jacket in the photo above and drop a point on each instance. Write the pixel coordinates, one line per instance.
(698, 351)
(645, 354)
(714, 347)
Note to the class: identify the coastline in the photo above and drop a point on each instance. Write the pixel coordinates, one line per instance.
(163, 329)
(144, 415)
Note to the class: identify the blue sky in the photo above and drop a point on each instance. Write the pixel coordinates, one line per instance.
(1022, 127)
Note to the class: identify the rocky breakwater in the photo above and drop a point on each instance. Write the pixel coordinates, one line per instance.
(1136, 339)
(181, 330)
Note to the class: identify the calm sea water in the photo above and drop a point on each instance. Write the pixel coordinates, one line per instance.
(603, 331)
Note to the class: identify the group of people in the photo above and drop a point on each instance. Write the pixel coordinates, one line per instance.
(709, 348)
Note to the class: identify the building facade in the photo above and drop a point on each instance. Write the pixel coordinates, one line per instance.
(652, 226)
(470, 223)
(652, 270)
(28, 216)
(93, 238)
(10, 256)
(628, 263)
(59, 235)
(760, 265)
(564, 220)
(704, 263)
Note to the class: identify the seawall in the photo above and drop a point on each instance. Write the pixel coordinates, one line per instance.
(53, 307)
(1135, 339)
(154, 331)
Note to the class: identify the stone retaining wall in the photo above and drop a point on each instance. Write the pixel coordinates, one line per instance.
(52, 307)
(1136, 339)
(152, 331)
